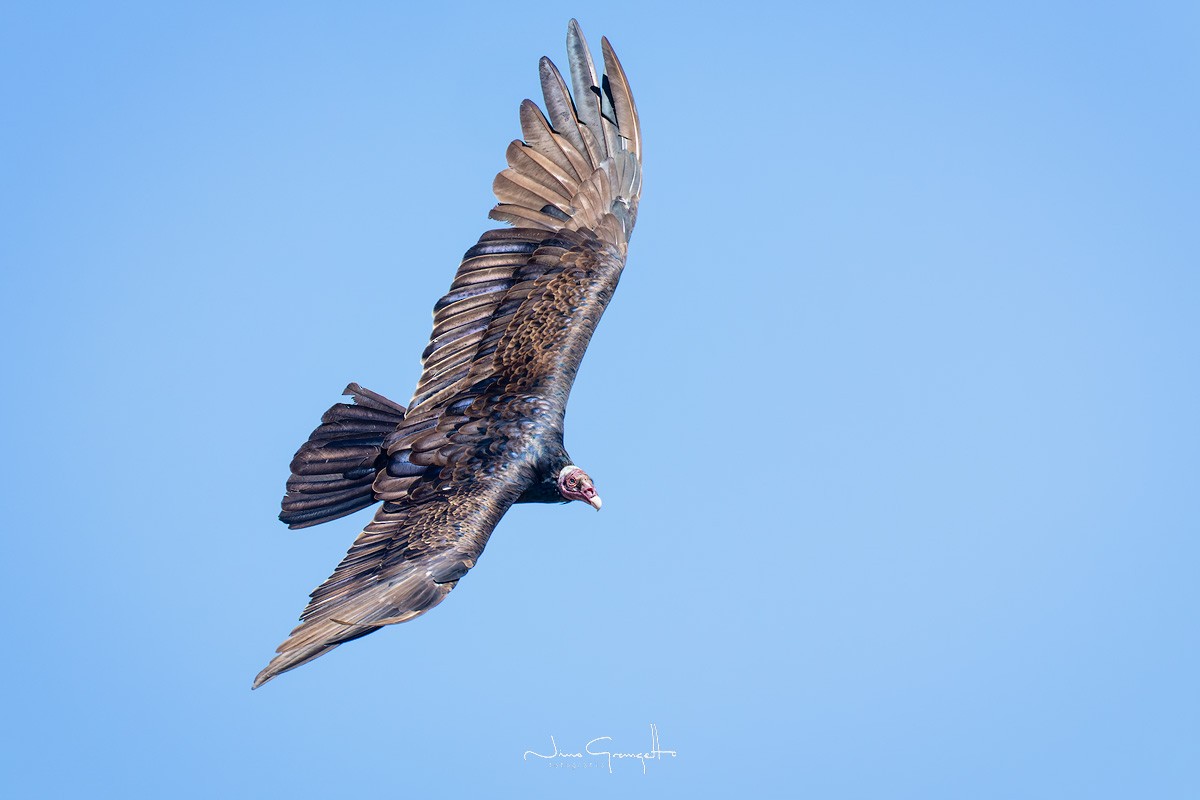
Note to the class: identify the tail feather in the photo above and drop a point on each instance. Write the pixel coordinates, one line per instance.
(333, 471)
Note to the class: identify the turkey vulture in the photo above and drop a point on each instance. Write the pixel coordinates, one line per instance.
(484, 428)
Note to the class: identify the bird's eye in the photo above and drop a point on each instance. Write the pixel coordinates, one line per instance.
(572, 481)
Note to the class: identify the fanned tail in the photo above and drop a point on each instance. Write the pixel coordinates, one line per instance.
(333, 471)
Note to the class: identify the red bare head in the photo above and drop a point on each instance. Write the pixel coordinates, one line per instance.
(574, 484)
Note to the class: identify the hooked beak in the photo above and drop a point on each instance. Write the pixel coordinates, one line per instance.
(594, 501)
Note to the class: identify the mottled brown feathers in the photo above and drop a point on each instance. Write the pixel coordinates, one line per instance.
(485, 421)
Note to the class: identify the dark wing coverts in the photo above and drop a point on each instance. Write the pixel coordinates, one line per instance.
(506, 344)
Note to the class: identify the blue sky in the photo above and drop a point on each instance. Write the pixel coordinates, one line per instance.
(894, 413)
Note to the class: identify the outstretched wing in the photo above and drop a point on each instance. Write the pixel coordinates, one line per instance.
(526, 300)
(403, 564)
(506, 344)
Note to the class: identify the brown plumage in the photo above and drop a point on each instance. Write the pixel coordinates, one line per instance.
(485, 425)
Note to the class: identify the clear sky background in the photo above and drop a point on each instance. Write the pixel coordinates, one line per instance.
(894, 414)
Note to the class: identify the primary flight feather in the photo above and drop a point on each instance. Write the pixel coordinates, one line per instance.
(484, 428)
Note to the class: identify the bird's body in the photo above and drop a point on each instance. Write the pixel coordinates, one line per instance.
(484, 428)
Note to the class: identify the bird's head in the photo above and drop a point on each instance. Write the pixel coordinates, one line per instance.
(574, 484)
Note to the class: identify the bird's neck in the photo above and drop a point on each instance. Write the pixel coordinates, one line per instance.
(545, 489)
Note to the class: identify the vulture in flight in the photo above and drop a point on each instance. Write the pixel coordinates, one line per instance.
(484, 428)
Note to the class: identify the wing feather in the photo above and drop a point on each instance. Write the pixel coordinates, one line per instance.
(622, 98)
(539, 136)
(527, 160)
(587, 94)
(559, 106)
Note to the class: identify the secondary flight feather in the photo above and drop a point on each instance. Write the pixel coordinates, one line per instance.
(484, 428)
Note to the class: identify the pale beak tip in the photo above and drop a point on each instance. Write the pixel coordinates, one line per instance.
(595, 502)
